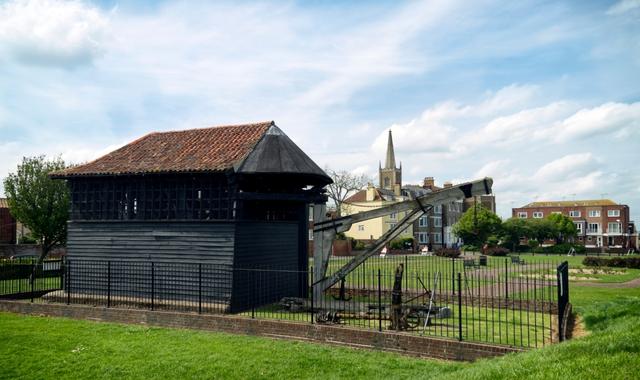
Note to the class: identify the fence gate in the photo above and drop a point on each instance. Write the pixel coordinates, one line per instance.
(563, 299)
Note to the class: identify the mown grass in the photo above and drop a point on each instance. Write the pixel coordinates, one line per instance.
(65, 349)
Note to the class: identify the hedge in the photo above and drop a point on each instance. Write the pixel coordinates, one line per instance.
(447, 252)
(616, 262)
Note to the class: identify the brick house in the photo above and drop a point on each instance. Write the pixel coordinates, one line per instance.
(600, 223)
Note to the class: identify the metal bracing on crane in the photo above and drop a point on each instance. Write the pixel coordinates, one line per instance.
(325, 231)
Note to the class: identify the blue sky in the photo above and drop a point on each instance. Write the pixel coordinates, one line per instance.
(542, 96)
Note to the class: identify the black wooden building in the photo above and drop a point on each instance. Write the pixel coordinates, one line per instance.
(228, 197)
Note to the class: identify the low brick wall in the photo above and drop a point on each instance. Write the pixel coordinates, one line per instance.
(343, 336)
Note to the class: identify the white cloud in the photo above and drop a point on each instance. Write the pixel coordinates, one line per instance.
(569, 166)
(52, 33)
(591, 122)
(623, 6)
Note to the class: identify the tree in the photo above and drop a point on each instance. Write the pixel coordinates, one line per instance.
(513, 229)
(563, 227)
(344, 185)
(541, 229)
(476, 225)
(39, 202)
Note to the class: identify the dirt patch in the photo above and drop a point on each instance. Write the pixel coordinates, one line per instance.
(576, 327)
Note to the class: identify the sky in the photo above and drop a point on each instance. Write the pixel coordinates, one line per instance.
(542, 96)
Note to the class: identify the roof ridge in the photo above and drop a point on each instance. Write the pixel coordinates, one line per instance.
(270, 122)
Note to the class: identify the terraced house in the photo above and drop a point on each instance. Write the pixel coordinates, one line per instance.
(600, 223)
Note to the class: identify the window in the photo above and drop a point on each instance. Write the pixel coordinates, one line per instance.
(391, 225)
(437, 209)
(423, 238)
(574, 213)
(310, 234)
(423, 221)
(578, 227)
(393, 216)
(437, 221)
(594, 213)
(386, 182)
(311, 213)
(437, 237)
(522, 215)
(538, 214)
(613, 213)
(614, 228)
(360, 227)
(593, 228)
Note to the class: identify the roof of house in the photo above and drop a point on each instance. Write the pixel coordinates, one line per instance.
(4, 203)
(247, 148)
(361, 196)
(597, 202)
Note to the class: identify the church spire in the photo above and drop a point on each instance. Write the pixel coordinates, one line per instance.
(390, 163)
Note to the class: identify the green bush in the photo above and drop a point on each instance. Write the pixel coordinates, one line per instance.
(27, 239)
(447, 252)
(560, 249)
(358, 245)
(616, 262)
(470, 247)
(496, 251)
(403, 243)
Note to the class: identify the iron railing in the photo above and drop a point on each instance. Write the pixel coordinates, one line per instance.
(503, 301)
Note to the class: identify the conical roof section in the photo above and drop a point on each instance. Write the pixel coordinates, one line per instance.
(275, 153)
(390, 162)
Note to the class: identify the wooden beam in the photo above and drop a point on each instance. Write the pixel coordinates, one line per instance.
(327, 282)
(326, 230)
(461, 191)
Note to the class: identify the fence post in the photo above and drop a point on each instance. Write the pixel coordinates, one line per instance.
(199, 288)
(506, 278)
(453, 276)
(459, 307)
(68, 281)
(253, 294)
(108, 283)
(33, 280)
(153, 285)
(311, 311)
(562, 273)
(379, 301)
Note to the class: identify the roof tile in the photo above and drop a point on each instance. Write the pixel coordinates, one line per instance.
(194, 150)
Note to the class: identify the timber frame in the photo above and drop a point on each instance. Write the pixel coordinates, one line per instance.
(325, 231)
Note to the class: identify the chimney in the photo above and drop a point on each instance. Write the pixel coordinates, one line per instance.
(428, 183)
(447, 184)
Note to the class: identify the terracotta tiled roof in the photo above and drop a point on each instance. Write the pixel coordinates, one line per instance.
(194, 150)
(597, 202)
(4, 203)
(361, 196)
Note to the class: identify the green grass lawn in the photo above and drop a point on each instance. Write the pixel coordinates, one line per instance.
(69, 349)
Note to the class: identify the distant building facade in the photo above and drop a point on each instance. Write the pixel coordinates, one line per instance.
(600, 223)
(7, 224)
(433, 229)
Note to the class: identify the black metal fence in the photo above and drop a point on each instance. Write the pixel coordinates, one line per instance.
(16, 275)
(502, 301)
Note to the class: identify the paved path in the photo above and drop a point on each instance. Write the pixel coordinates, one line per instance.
(635, 283)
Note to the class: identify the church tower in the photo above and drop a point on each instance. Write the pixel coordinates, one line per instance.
(390, 176)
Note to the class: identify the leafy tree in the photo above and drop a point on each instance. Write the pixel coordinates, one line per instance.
(513, 229)
(541, 229)
(39, 202)
(563, 226)
(476, 225)
(344, 185)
